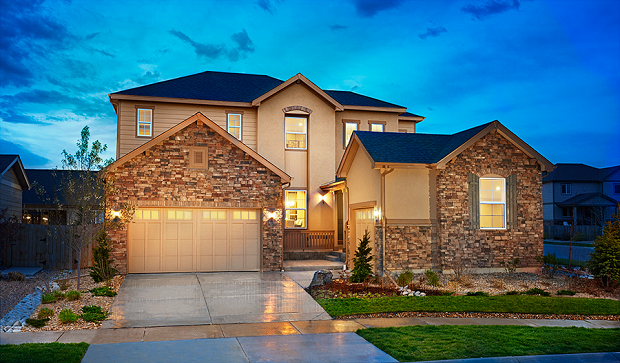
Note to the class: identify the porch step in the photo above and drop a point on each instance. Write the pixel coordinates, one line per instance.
(311, 265)
(336, 256)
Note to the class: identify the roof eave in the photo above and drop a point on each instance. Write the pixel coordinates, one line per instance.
(116, 96)
(301, 78)
(411, 118)
(22, 177)
(372, 108)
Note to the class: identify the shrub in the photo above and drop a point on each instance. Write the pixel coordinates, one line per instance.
(67, 316)
(431, 278)
(16, 276)
(45, 313)
(510, 266)
(73, 295)
(93, 313)
(405, 278)
(604, 261)
(48, 298)
(37, 323)
(536, 291)
(102, 291)
(566, 292)
(512, 292)
(58, 294)
(361, 262)
(477, 293)
(63, 284)
(550, 263)
(102, 269)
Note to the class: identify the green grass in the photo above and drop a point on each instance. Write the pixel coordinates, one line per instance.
(43, 352)
(573, 262)
(427, 342)
(567, 243)
(491, 304)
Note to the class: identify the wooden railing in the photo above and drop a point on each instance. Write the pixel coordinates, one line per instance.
(308, 240)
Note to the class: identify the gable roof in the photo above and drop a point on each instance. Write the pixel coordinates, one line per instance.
(298, 78)
(391, 148)
(579, 172)
(589, 200)
(199, 117)
(10, 161)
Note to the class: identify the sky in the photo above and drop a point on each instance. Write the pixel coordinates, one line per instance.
(547, 70)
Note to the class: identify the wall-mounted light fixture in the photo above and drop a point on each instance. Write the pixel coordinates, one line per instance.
(377, 214)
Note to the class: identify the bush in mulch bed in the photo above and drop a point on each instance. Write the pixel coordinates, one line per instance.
(341, 288)
(103, 291)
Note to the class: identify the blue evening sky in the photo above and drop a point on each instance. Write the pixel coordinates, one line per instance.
(548, 70)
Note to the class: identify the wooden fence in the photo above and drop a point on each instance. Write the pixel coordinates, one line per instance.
(309, 240)
(562, 233)
(42, 246)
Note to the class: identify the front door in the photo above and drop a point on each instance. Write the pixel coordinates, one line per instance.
(364, 221)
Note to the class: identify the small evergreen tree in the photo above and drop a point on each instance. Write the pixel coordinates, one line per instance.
(605, 259)
(102, 269)
(362, 266)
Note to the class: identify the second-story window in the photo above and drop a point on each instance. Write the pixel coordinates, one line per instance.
(566, 189)
(376, 127)
(616, 188)
(296, 129)
(234, 125)
(349, 127)
(145, 122)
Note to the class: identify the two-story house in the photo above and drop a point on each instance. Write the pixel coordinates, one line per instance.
(580, 194)
(226, 169)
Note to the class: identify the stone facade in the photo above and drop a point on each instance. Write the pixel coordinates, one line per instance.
(162, 177)
(408, 247)
(476, 248)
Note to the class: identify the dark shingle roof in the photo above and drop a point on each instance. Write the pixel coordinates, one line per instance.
(409, 114)
(393, 147)
(6, 161)
(589, 199)
(215, 86)
(355, 99)
(578, 172)
(48, 181)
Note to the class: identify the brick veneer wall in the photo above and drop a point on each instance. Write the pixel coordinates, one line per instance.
(492, 154)
(161, 177)
(408, 247)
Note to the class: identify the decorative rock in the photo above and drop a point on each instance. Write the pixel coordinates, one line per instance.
(320, 278)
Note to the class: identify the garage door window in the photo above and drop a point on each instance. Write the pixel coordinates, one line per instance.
(247, 215)
(214, 215)
(179, 214)
(147, 214)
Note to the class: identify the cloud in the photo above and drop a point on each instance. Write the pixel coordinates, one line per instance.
(368, 8)
(11, 115)
(148, 77)
(83, 107)
(432, 32)
(242, 46)
(29, 159)
(338, 27)
(265, 5)
(103, 52)
(490, 8)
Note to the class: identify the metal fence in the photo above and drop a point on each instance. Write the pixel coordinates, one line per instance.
(46, 246)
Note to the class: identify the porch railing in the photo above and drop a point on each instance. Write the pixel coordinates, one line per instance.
(309, 240)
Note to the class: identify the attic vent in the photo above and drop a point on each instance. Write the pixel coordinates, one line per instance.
(198, 158)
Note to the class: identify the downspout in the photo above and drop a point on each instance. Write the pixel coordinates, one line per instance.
(384, 171)
(345, 243)
(284, 186)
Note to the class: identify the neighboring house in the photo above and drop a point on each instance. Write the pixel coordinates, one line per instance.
(471, 199)
(235, 143)
(579, 194)
(13, 180)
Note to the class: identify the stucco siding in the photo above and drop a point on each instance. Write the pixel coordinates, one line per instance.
(407, 194)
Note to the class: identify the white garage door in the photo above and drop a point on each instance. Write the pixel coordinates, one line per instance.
(190, 240)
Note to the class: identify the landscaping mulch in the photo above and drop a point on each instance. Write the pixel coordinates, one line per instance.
(425, 314)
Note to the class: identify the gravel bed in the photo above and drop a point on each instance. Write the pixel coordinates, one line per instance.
(12, 292)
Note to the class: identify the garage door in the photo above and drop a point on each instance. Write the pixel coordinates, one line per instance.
(194, 240)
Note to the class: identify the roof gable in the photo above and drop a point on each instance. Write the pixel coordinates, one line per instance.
(299, 78)
(8, 162)
(199, 117)
(589, 200)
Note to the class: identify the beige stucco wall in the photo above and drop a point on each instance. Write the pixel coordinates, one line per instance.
(322, 161)
(409, 126)
(391, 119)
(363, 182)
(167, 115)
(407, 194)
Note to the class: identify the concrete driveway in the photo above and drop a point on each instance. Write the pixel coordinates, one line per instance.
(146, 300)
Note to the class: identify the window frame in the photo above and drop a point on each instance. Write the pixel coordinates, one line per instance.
(305, 133)
(372, 123)
(287, 208)
(240, 127)
(570, 214)
(502, 203)
(570, 188)
(137, 124)
(616, 188)
(345, 122)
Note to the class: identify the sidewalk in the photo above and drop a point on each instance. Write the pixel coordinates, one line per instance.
(126, 335)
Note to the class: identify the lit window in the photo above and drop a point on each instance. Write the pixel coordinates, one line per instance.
(147, 214)
(566, 189)
(492, 203)
(179, 214)
(214, 214)
(244, 214)
(234, 125)
(295, 209)
(145, 122)
(376, 127)
(296, 130)
(349, 127)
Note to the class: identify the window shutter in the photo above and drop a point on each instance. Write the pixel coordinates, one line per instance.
(474, 201)
(511, 201)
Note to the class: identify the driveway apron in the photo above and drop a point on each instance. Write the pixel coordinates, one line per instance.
(148, 300)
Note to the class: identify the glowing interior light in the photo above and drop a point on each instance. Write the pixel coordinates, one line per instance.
(498, 188)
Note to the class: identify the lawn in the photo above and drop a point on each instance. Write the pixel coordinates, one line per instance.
(43, 352)
(420, 343)
(489, 304)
